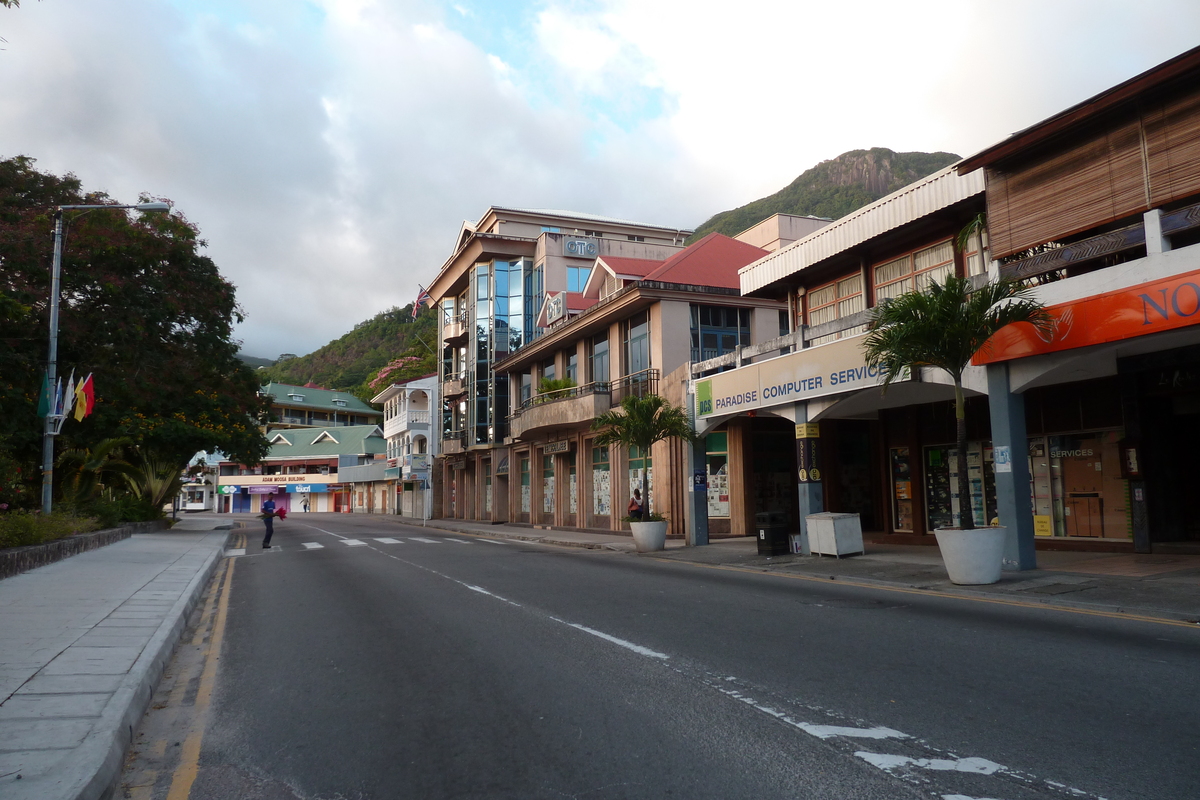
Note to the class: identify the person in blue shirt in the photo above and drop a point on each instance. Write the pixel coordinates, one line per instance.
(268, 508)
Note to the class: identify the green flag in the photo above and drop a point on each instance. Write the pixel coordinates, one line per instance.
(44, 397)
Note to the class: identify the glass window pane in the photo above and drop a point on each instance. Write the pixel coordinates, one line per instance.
(893, 270)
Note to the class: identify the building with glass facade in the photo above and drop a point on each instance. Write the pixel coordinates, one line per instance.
(490, 294)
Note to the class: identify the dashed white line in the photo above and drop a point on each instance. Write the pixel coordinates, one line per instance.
(459, 541)
(977, 766)
(386, 540)
(312, 545)
(493, 541)
(422, 539)
(637, 648)
(829, 731)
(354, 542)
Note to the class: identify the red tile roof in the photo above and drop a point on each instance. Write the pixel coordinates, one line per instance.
(630, 267)
(712, 261)
(577, 302)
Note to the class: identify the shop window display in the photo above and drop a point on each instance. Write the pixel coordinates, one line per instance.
(942, 485)
(572, 486)
(1077, 488)
(547, 484)
(601, 482)
(525, 503)
(902, 505)
(717, 465)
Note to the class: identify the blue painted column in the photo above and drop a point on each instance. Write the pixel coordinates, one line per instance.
(809, 484)
(697, 533)
(1010, 444)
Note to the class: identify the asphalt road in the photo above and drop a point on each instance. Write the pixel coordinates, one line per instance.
(448, 666)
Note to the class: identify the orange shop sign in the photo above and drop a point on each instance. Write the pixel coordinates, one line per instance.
(1161, 305)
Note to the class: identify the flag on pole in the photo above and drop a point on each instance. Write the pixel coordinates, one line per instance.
(85, 398)
(58, 399)
(422, 298)
(68, 398)
(44, 396)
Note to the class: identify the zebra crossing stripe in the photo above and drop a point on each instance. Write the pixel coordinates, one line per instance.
(313, 546)
(459, 541)
(354, 543)
(386, 540)
(422, 539)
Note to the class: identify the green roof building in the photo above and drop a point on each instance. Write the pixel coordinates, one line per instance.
(313, 407)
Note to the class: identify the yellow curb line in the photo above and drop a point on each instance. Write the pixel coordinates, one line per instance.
(189, 756)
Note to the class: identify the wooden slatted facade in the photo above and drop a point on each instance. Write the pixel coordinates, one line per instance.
(1141, 151)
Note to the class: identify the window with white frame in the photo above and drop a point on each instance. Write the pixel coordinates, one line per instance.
(834, 301)
(914, 271)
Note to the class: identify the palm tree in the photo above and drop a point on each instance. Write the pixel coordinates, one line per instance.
(86, 470)
(943, 326)
(155, 479)
(641, 422)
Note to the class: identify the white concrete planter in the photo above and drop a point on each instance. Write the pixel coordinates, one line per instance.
(972, 557)
(649, 536)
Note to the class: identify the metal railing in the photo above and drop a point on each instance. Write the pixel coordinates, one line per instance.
(639, 384)
(597, 387)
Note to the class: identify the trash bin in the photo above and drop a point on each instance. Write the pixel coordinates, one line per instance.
(772, 528)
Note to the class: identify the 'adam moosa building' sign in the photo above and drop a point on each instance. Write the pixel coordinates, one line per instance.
(813, 372)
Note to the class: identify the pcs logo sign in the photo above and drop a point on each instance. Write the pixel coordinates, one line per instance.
(704, 399)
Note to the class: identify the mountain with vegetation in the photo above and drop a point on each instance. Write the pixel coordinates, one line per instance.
(389, 348)
(254, 362)
(833, 188)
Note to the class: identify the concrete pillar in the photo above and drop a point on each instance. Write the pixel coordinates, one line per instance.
(810, 489)
(1010, 444)
(1155, 241)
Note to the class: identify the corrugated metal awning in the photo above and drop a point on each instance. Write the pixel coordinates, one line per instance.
(932, 193)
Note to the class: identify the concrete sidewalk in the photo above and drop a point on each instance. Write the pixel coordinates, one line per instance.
(82, 643)
(1158, 586)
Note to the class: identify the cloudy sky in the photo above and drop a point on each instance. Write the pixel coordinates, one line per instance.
(329, 150)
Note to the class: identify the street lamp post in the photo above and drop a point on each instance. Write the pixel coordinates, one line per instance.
(54, 421)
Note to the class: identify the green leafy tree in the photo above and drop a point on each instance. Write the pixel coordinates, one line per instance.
(642, 422)
(142, 309)
(944, 326)
(83, 472)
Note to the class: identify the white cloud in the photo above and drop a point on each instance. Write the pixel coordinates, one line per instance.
(329, 150)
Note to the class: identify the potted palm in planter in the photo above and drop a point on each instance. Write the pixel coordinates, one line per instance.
(641, 422)
(944, 326)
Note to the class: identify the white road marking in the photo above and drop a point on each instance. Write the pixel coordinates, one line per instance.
(322, 530)
(354, 542)
(887, 763)
(386, 540)
(482, 590)
(492, 541)
(829, 731)
(964, 797)
(637, 648)
(313, 545)
(235, 551)
(422, 539)
(460, 541)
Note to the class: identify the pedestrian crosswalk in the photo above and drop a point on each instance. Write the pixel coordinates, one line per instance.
(279, 546)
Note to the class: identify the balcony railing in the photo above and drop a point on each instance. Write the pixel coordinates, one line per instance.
(454, 442)
(563, 409)
(639, 384)
(454, 385)
(455, 326)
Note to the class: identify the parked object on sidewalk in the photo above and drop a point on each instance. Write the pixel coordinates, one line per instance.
(649, 536)
(773, 530)
(972, 557)
(835, 534)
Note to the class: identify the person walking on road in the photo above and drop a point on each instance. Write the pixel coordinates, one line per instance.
(304, 505)
(268, 510)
